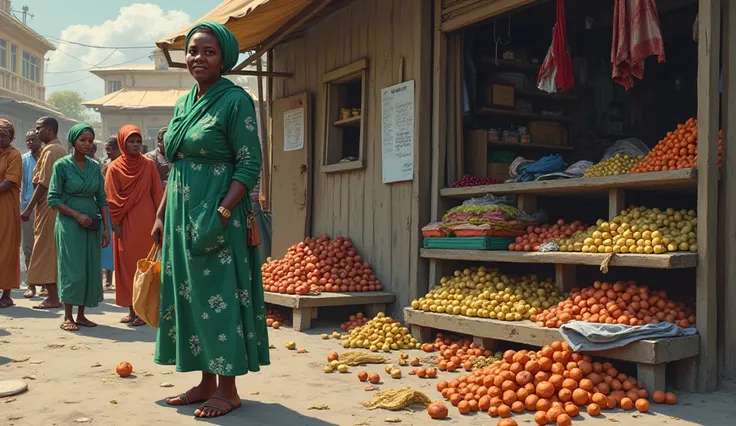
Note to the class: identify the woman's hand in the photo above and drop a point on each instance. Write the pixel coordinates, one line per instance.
(119, 232)
(223, 220)
(157, 231)
(83, 219)
(26, 215)
(105, 238)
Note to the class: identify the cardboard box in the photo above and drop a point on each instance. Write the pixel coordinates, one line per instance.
(501, 95)
(547, 133)
(498, 171)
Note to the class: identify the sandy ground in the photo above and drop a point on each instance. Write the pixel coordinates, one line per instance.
(71, 381)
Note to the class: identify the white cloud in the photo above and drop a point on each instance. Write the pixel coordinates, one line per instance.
(140, 24)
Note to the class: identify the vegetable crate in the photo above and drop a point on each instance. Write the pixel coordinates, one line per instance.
(469, 243)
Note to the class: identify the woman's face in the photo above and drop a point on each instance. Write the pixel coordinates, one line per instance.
(133, 144)
(84, 142)
(204, 57)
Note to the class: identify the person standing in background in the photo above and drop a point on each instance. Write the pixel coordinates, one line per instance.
(112, 149)
(26, 193)
(42, 269)
(158, 156)
(11, 174)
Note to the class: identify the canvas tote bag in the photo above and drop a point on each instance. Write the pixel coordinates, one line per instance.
(146, 287)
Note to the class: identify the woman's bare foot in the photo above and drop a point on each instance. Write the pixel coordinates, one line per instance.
(128, 318)
(195, 395)
(31, 292)
(44, 292)
(218, 406)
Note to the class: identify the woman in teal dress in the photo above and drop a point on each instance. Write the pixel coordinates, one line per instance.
(213, 316)
(77, 191)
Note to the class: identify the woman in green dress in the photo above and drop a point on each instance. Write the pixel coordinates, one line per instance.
(213, 316)
(77, 191)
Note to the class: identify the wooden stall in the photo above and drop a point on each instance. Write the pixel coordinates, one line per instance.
(457, 150)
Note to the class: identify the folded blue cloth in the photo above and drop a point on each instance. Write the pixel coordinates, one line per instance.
(593, 337)
(550, 164)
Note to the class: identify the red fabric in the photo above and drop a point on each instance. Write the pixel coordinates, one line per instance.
(556, 71)
(636, 35)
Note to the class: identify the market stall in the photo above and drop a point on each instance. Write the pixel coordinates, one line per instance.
(609, 171)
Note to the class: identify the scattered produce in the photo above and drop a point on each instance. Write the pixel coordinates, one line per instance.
(275, 316)
(290, 345)
(381, 333)
(301, 351)
(486, 293)
(677, 150)
(538, 235)
(356, 320)
(320, 264)
(358, 358)
(395, 373)
(670, 398)
(124, 369)
(619, 164)
(362, 376)
(342, 368)
(397, 399)
(507, 422)
(324, 336)
(437, 410)
(374, 378)
(619, 303)
(332, 356)
(470, 180)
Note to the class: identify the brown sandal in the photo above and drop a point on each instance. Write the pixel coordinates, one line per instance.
(184, 398)
(219, 411)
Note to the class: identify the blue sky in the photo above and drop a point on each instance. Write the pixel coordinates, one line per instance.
(106, 23)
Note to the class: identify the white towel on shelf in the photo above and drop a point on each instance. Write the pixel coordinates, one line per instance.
(593, 337)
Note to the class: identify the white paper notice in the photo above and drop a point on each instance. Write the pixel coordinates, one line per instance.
(294, 130)
(397, 132)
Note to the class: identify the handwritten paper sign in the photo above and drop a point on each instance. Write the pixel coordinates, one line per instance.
(397, 132)
(294, 130)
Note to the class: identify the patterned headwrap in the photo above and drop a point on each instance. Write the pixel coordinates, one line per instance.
(162, 132)
(77, 131)
(7, 129)
(228, 43)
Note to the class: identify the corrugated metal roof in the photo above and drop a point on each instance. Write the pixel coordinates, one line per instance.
(138, 98)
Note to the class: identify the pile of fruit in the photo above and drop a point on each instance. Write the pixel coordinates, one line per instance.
(354, 321)
(320, 264)
(275, 318)
(644, 230)
(538, 235)
(619, 303)
(382, 333)
(678, 150)
(457, 353)
(619, 164)
(486, 293)
(553, 382)
(470, 180)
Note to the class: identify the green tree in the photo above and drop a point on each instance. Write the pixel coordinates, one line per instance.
(69, 103)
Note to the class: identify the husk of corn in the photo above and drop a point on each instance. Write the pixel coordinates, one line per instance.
(397, 399)
(354, 358)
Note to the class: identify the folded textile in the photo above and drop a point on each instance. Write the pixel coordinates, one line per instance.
(549, 164)
(577, 170)
(589, 336)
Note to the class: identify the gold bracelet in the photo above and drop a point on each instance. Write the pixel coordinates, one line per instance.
(224, 212)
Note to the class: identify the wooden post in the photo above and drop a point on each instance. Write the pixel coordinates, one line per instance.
(565, 277)
(302, 318)
(708, 120)
(526, 203)
(265, 194)
(616, 202)
(652, 375)
(728, 186)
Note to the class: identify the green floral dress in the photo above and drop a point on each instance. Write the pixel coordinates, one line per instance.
(213, 315)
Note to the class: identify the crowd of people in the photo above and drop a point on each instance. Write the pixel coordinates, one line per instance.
(77, 220)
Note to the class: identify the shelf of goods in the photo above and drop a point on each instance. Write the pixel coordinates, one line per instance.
(651, 356)
(305, 307)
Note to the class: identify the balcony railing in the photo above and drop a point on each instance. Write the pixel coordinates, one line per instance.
(15, 83)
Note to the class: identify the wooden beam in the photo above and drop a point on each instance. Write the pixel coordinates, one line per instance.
(269, 92)
(264, 194)
(708, 121)
(293, 24)
(482, 12)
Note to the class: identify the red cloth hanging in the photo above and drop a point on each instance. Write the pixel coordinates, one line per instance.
(636, 35)
(556, 71)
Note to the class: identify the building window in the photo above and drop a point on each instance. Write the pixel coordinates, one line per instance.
(31, 67)
(114, 86)
(14, 58)
(345, 95)
(3, 53)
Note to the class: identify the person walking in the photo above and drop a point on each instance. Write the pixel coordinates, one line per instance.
(11, 174)
(26, 193)
(108, 263)
(42, 268)
(77, 192)
(134, 192)
(158, 156)
(213, 316)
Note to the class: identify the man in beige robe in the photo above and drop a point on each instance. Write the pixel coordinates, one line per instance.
(43, 269)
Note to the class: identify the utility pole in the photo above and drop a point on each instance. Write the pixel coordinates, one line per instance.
(24, 11)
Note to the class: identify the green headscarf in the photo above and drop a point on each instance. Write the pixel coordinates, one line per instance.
(77, 131)
(228, 43)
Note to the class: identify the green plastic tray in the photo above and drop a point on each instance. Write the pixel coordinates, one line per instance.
(469, 243)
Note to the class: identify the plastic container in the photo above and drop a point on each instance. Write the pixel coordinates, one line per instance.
(469, 243)
(494, 135)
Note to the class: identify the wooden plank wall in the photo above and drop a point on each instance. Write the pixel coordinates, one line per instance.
(382, 220)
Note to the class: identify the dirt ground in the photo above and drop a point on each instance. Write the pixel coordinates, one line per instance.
(71, 381)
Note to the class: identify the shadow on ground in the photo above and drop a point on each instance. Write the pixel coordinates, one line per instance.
(253, 413)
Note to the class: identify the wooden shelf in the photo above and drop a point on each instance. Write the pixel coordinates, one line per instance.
(511, 65)
(522, 114)
(348, 122)
(671, 179)
(536, 93)
(530, 146)
(657, 351)
(653, 261)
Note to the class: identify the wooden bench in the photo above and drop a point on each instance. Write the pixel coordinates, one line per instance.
(305, 307)
(651, 356)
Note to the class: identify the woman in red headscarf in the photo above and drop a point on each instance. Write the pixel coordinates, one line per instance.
(134, 192)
